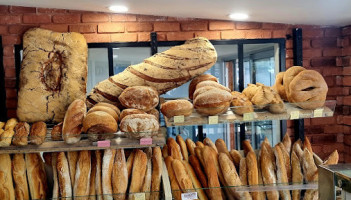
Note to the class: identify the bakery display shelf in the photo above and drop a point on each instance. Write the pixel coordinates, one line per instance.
(120, 140)
(292, 111)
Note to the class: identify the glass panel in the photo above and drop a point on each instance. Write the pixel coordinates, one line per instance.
(125, 56)
(97, 66)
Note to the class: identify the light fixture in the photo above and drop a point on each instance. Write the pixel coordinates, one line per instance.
(238, 16)
(118, 9)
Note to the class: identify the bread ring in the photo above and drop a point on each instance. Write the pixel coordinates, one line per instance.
(308, 86)
(289, 76)
(279, 85)
(198, 79)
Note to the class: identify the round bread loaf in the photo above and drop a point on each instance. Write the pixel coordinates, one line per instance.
(108, 110)
(213, 84)
(130, 111)
(198, 79)
(99, 125)
(139, 125)
(279, 85)
(155, 113)
(72, 123)
(241, 103)
(177, 107)
(289, 75)
(309, 88)
(202, 90)
(263, 96)
(139, 97)
(250, 90)
(113, 107)
(213, 102)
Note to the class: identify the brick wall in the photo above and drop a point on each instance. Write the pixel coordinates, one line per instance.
(321, 48)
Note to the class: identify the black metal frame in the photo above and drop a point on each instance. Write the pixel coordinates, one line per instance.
(3, 113)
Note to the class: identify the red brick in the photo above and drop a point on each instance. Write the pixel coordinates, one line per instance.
(3, 30)
(4, 9)
(173, 36)
(330, 80)
(339, 42)
(323, 120)
(332, 71)
(312, 33)
(288, 43)
(335, 91)
(253, 34)
(289, 53)
(311, 53)
(96, 38)
(194, 26)
(179, 19)
(66, 18)
(346, 30)
(11, 104)
(124, 37)
(111, 28)
(19, 29)
(328, 149)
(347, 139)
(51, 10)
(347, 120)
(306, 44)
(95, 17)
(11, 113)
(11, 40)
(345, 42)
(11, 93)
(323, 139)
(325, 61)
(346, 71)
(166, 26)
(332, 32)
(143, 18)
(346, 80)
(346, 51)
(10, 82)
(290, 123)
(139, 27)
(333, 129)
(232, 35)
(161, 36)
(36, 19)
(123, 18)
(332, 52)
(143, 37)
(8, 50)
(9, 62)
(221, 25)
(272, 26)
(55, 27)
(10, 19)
(289, 63)
(279, 34)
(307, 121)
(345, 61)
(339, 61)
(247, 25)
(20, 9)
(325, 42)
(211, 35)
(83, 28)
(347, 101)
(10, 72)
(340, 137)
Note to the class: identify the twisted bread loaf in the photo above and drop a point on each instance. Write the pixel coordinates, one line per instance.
(163, 71)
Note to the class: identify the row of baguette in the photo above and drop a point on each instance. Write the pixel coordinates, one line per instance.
(88, 175)
(197, 166)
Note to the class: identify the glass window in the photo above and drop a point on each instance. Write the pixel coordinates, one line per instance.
(125, 56)
(97, 66)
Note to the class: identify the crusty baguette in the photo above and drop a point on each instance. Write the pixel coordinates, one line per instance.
(36, 176)
(56, 188)
(195, 163)
(182, 176)
(267, 161)
(282, 177)
(199, 144)
(182, 146)
(287, 142)
(208, 142)
(176, 193)
(165, 151)
(107, 166)
(311, 195)
(20, 177)
(92, 188)
(148, 174)
(286, 156)
(236, 156)
(310, 169)
(130, 161)
(64, 178)
(222, 148)
(156, 173)
(252, 172)
(138, 173)
(332, 159)
(198, 152)
(82, 177)
(211, 172)
(196, 183)
(119, 176)
(297, 148)
(307, 144)
(317, 159)
(247, 147)
(191, 146)
(72, 158)
(262, 195)
(98, 181)
(243, 171)
(6, 184)
(174, 149)
(297, 176)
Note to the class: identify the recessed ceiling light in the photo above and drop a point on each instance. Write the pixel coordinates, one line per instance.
(238, 16)
(118, 9)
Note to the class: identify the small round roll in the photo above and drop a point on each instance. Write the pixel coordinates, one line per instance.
(195, 81)
(177, 107)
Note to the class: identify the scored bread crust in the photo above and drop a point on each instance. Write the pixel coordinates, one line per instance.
(207, 141)
(191, 146)
(138, 172)
(20, 138)
(297, 176)
(139, 97)
(130, 111)
(72, 158)
(64, 178)
(82, 177)
(198, 79)
(107, 167)
(211, 173)
(332, 159)
(20, 177)
(177, 107)
(174, 149)
(119, 176)
(156, 173)
(176, 193)
(196, 183)
(222, 148)
(282, 177)
(183, 147)
(268, 169)
(236, 156)
(73, 121)
(36, 176)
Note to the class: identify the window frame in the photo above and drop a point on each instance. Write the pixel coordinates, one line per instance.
(3, 113)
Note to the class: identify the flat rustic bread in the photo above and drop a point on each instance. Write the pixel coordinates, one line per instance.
(53, 74)
(163, 71)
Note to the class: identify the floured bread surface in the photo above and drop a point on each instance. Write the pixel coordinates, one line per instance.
(53, 74)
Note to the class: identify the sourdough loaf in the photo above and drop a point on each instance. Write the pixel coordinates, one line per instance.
(54, 71)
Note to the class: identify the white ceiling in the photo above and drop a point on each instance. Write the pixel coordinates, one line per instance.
(313, 12)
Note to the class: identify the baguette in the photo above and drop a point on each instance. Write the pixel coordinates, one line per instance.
(64, 178)
(199, 144)
(129, 164)
(332, 159)
(156, 173)
(297, 149)
(307, 144)
(247, 147)
(212, 177)
(107, 166)
(252, 172)
(36, 176)
(98, 181)
(262, 195)
(182, 176)
(195, 163)
(297, 176)
(82, 177)
(198, 152)
(236, 156)
(310, 169)
(119, 176)
(191, 146)
(92, 188)
(282, 176)
(165, 151)
(267, 161)
(196, 183)
(174, 149)
(286, 156)
(56, 188)
(222, 148)
(148, 174)
(138, 173)
(6, 185)
(176, 193)
(72, 157)
(20, 138)
(287, 142)
(19, 177)
(183, 148)
(208, 142)
(243, 172)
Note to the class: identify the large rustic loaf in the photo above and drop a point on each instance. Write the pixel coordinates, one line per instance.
(53, 74)
(163, 71)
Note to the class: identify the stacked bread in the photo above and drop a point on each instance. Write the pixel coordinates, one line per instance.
(306, 88)
(213, 166)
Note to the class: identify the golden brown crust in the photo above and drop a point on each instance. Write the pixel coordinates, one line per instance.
(191, 146)
(82, 177)
(263, 96)
(155, 113)
(63, 175)
(148, 174)
(202, 90)
(297, 176)
(243, 171)
(176, 193)
(250, 91)
(107, 168)
(195, 163)
(72, 158)
(279, 85)
(156, 173)
(92, 183)
(99, 125)
(165, 151)
(37, 133)
(247, 146)
(208, 142)
(139, 123)
(174, 149)
(286, 160)
(119, 176)
(236, 156)
(177, 107)
(282, 177)
(332, 159)
(56, 132)
(20, 138)
(130, 162)
(55, 187)
(130, 111)
(287, 142)
(36, 176)
(199, 144)
(182, 146)
(138, 172)
(211, 173)
(252, 172)
(310, 169)
(212, 102)
(6, 184)
(297, 148)
(276, 106)
(73, 121)
(198, 79)
(196, 183)
(139, 97)
(105, 109)
(289, 75)
(20, 177)
(267, 165)
(222, 148)
(198, 153)
(241, 103)
(212, 84)
(307, 144)
(98, 181)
